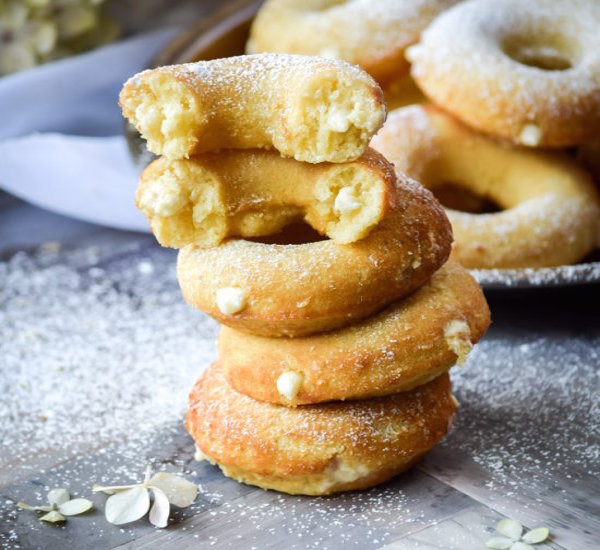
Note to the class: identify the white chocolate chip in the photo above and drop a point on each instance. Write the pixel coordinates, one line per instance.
(531, 135)
(455, 401)
(458, 338)
(345, 201)
(411, 53)
(288, 384)
(231, 300)
(337, 120)
(198, 454)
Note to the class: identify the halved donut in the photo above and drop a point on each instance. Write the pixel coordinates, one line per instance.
(409, 343)
(251, 193)
(299, 289)
(549, 209)
(311, 109)
(316, 449)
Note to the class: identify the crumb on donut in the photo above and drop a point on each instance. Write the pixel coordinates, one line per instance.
(231, 300)
(289, 384)
(458, 338)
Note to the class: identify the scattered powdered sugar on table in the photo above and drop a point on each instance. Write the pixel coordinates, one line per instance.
(91, 354)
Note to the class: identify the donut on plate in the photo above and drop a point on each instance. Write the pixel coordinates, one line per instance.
(311, 109)
(298, 289)
(409, 343)
(250, 193)
(316, 449)
(524, 71)
(371, 34)
(549, 209)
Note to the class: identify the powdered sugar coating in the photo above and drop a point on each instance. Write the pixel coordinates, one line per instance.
(467, 63)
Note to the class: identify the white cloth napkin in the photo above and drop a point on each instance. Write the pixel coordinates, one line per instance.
(61, 144)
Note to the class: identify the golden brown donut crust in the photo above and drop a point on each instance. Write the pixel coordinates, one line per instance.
(251, 193)
(371, 34)
(528, 72)
(316, 449)
(311, 109)
(550, 210)
(406, 345)
(295, 290)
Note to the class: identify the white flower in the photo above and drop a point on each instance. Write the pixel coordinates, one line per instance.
(514, 539)
(60, 505)
(129, 503)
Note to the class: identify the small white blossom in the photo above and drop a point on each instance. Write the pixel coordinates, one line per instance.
(60, 505)
(513, 537)
(129, 503)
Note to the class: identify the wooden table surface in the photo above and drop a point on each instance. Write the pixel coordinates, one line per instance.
(525, 443)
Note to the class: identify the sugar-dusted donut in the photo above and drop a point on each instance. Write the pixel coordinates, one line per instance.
(550, 213)
(371, 34)
(311, 109)
(299, 289)
(524, 71)
(316, 449)
(409, 343)
(252, 192)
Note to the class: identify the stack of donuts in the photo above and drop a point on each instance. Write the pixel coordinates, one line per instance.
(508, 91)
(342, 314)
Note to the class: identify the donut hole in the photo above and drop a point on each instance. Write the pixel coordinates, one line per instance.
(166, 114)
(549, 53)
(292, 234)
(459, 197)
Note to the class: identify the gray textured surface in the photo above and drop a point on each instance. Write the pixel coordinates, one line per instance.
(98, 351)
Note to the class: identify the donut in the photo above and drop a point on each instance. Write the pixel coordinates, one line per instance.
(371, 34)
(408, 344)
(528, 72)
(252, 192)
(298, 289)
(311, 109)
(316, 449)
(549, 210)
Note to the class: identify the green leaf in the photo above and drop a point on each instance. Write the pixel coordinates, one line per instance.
(159, 513)
(535, 536)
(127, 506)
(53, 517)
(179, 491)
(75, 506)
(58, 496)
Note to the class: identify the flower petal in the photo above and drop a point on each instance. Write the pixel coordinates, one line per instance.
(75, 506)
(127, 506)
(499, 543)
(112, 489)
(53, 517)
(159, 513)
(510, 528)
(58, 496)
(179, 491)
(521, 546)
(25, 506)
(535, 536)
